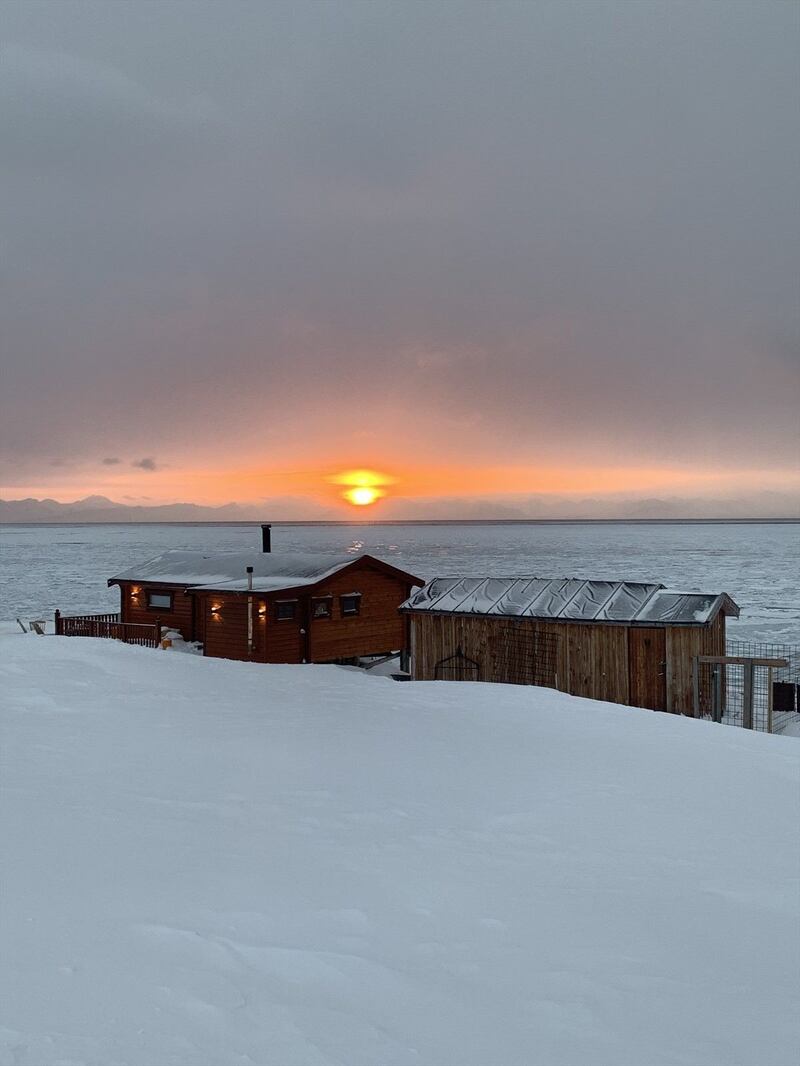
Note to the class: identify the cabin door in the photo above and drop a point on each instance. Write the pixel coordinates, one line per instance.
(647, 668)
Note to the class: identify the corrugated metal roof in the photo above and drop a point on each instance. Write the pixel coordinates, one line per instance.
(681, 608)
(228, 570)
(626, 601)
(573, 599)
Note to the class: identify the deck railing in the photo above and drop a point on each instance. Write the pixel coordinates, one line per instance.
(109, 627)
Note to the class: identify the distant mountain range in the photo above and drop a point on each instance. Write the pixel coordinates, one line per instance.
(101, 509)
(767, 505)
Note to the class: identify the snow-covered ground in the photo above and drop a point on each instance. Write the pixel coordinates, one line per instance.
(44, 567)
(210, 863)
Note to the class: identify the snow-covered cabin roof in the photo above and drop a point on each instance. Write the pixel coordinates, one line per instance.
(570, 599)
(227, 571)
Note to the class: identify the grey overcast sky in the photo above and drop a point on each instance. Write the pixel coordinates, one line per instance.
(469, 237)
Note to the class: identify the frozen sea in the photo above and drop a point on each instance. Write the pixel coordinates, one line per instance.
(43, 567)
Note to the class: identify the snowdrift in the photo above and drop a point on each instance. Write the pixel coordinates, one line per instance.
(216, 864)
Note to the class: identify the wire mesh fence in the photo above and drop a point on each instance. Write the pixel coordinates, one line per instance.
(525, 656)
(743, 693)
(513, 653)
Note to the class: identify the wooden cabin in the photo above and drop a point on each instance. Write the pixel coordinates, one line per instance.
(275, 608)
(620, 641)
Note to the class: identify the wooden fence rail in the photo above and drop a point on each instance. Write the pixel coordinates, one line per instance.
(109, 627)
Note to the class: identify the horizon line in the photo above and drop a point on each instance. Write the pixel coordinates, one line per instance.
(425, 522)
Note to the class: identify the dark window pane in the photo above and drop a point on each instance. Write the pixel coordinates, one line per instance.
(350, 605)
(159, 599)
(285, 612)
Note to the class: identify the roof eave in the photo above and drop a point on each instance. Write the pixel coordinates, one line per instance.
(549, 620)
(199, 590)
(728, 606)
(193, 587)
(147, 581)
(388, 568)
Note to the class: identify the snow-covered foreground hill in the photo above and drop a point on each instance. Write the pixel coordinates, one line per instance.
(216, 864)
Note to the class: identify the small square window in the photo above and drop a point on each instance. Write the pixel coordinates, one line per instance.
(160, 599)
(350, 605)
(285, 610)
(321, 608)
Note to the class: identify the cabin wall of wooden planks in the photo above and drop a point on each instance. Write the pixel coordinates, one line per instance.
(376, 629)
(632, 665)
(224, 622)
(683, 643)
(134, 608)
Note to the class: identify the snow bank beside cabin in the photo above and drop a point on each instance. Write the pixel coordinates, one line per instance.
(215, 862)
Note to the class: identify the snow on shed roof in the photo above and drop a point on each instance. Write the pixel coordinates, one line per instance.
(228, 570)
(573, 599)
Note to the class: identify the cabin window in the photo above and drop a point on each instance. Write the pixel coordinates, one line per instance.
(321, 608)
(162, 600)
(285, 610)
(350, 605)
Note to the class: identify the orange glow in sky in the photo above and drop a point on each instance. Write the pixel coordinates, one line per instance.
(363, 488)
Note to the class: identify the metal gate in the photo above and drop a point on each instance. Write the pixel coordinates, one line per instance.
(755, 686)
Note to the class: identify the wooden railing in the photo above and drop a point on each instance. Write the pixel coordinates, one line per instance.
(109, 627)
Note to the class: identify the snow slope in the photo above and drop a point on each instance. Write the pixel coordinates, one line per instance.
(217, 864)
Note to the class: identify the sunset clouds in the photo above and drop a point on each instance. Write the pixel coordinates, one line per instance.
(527, 242)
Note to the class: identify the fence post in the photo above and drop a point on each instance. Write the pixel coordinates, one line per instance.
(158, 631)
(747, 697)
(716, 691)
(57, 620)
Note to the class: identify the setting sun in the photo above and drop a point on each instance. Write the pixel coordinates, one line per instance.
(362, 495)
(363, 487)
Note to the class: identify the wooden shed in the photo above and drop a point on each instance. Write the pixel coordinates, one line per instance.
(278, 608)
(621, 641)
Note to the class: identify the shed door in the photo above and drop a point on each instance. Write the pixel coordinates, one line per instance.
(647, 668)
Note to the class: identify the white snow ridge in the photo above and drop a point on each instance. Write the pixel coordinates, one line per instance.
(209, 863)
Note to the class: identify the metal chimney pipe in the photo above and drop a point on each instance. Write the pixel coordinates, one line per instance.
(266, 539)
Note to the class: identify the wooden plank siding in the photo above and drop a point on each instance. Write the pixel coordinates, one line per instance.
(226, 628)
(647, 668)
(133, 607)
(377, 628)
(199, 618)
(683, 643)
(284, 641)
(637, 666)
(436, 637)
(596, 662)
